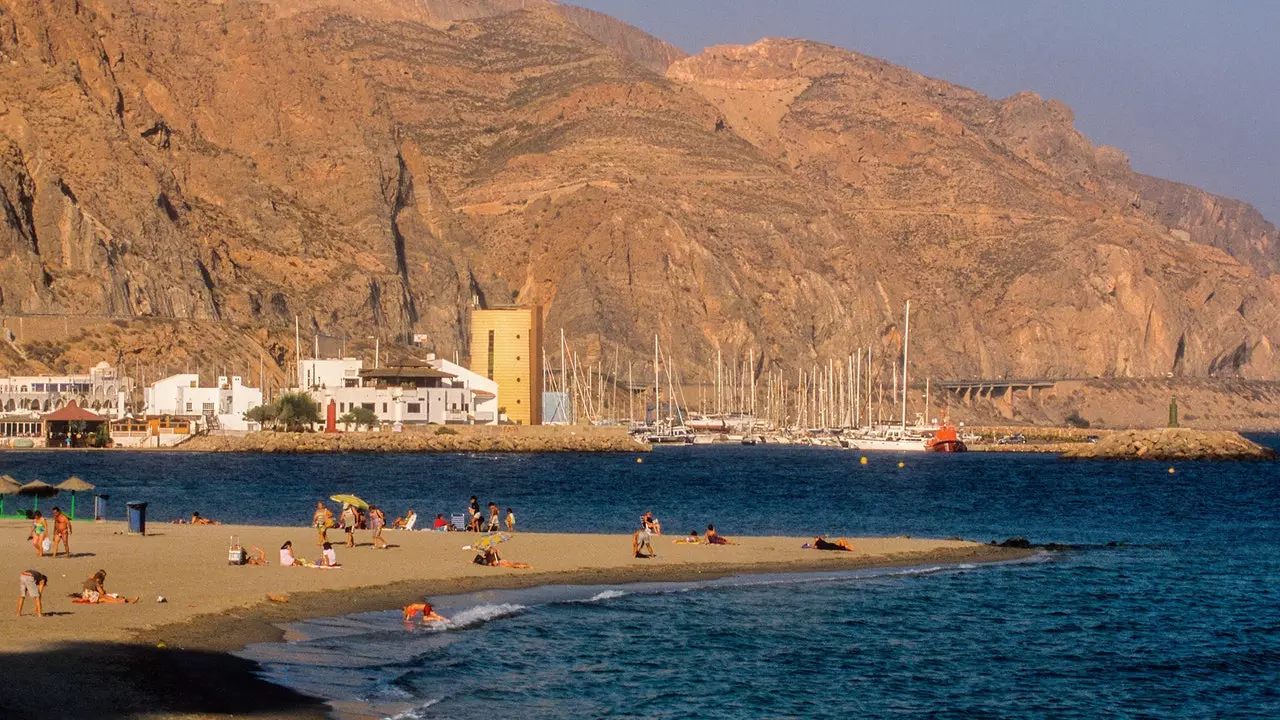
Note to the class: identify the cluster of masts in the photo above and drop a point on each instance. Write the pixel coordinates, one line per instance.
(847, 393)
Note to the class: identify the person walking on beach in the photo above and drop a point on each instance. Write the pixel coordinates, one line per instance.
(350, 518)
(40, 534)
(377, 521)
(61, 531)
(322, 520)
(511, 521)
(493, 517)
(31, 585)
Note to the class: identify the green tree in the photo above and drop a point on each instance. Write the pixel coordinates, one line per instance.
(264, 415)
(360, 417)
(296, 411)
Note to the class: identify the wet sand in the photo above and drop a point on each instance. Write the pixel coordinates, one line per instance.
(120, 670)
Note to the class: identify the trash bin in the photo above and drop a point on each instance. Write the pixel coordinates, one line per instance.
(137, 518)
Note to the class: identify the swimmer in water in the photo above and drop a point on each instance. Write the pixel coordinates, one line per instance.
(425, 610)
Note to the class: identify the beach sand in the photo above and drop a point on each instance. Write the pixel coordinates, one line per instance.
(119, 670)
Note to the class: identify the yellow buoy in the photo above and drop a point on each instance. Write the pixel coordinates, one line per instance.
(902, 464)
(1170, 471)
(863, 460)
(639, 460)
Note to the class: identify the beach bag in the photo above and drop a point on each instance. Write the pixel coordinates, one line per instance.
(47, 545)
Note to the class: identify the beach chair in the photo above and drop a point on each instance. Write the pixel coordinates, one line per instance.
(413, 520)
(459, 522)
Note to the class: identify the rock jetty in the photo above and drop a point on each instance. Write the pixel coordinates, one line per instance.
(1172, 444)
(462, 439)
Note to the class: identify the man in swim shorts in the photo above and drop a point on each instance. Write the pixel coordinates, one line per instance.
(31, 585)
(61, 531)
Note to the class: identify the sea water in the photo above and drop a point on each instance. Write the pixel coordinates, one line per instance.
(1179, 618)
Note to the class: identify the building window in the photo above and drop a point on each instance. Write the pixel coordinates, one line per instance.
(384, 408)
(415, 408)
(188, 407)
(367, 406)
(490, 355)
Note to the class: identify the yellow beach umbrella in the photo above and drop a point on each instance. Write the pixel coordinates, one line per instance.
(350, 500)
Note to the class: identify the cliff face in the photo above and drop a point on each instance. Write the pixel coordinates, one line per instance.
(372, 166)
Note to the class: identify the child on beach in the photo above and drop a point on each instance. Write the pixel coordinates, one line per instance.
(61, 531)
(329, 557)
(94, 593)
(31, 585)
(429, 615)
(511, 521)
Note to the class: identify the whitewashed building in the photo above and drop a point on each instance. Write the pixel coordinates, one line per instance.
(222, 407)
(325, 374)
(102, 389)
(432, 392)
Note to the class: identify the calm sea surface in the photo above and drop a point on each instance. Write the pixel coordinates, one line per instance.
(1180, 621)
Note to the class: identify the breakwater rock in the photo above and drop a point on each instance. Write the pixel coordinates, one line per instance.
(461, 439)
(1172, 444)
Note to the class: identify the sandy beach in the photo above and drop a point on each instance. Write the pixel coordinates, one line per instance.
(169, 659)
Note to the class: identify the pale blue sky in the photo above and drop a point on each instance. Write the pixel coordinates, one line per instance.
(1191, 90)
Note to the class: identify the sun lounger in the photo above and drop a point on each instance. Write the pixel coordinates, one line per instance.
(459, 522)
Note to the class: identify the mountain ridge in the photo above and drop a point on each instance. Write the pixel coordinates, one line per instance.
(378, 165)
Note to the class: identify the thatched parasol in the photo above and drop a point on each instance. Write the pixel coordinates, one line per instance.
(74, 485)
(37, 490)
(8, 486)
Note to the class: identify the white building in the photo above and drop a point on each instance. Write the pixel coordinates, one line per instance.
(324, 374)
(102, 389)
(222, 407)
(435, 392)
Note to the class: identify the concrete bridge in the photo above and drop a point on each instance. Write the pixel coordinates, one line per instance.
(1001, 392)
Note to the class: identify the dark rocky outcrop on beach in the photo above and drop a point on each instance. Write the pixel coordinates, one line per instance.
(472, 439)
(1172, 444)
(374, 165)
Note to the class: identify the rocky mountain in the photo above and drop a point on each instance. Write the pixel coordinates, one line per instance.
(374, 166)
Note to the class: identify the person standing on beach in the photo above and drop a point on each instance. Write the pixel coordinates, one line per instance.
(31, 585)
(493, 517)
(349, 520)
(61, 531)
(39, 533)
(377, 521)
(322, 520)
(511, 521)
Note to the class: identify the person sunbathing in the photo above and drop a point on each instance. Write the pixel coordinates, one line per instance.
(715, 538)
(840, 544)
(491, 558)
(401, 523)
(94, 593)
(690, 539)
(197, 520)
(429, 615)
(257, 556)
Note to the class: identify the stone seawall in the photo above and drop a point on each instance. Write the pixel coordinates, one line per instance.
(466, 439)
(1172, 444)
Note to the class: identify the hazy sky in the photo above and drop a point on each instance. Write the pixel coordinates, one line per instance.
(1190, 90)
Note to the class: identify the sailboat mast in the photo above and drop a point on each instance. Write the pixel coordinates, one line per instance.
(657, 388)
(906, 345)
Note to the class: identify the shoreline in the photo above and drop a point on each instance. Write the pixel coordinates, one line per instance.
(174, 660)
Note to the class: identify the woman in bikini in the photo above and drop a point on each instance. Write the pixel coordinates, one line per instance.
(715, 538)
(39, 533)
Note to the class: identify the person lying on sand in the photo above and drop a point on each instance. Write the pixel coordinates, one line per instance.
(841, 544)
(197, 520)
(94, 593)
(429, 615)
(715, 538)
(642, 544)
(491, 558)
(257, 556)
(690, 539)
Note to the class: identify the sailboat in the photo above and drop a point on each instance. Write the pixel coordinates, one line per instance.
(896, 438)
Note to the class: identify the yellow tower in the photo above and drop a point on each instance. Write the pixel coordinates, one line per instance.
(506, 347)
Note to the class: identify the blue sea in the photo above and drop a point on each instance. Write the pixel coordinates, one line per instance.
(1169, 607)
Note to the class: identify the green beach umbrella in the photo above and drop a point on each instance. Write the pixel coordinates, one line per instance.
(74, 485)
